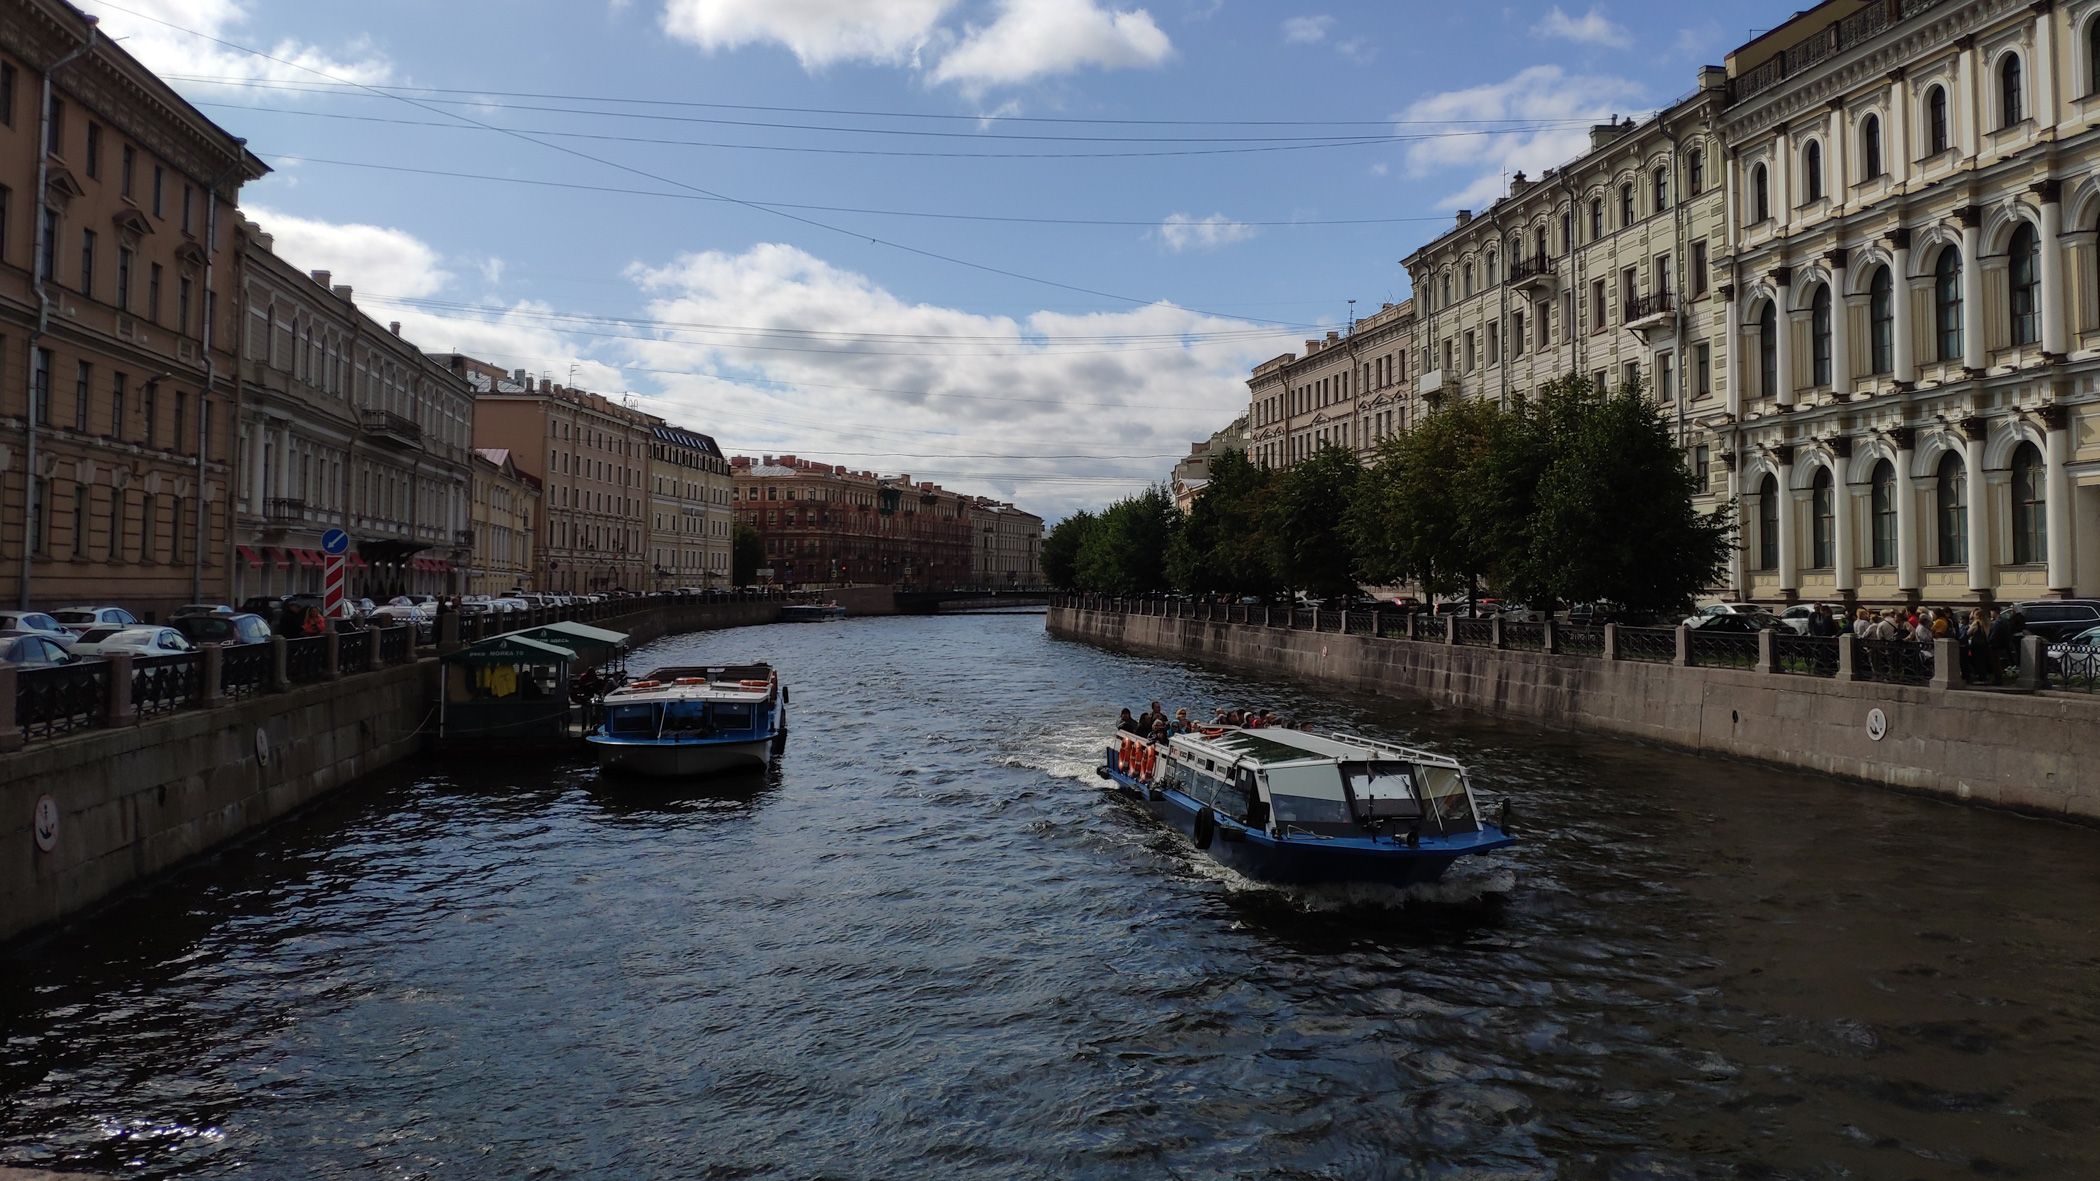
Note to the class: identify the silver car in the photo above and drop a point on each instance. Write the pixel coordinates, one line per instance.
(40, 623)
(80, 620)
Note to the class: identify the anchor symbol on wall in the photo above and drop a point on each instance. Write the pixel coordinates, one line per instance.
(46, 824)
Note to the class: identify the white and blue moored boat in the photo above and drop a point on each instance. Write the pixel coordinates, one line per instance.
(681, 722)
(1298, 808)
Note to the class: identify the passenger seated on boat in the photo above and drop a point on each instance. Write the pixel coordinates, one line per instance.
(1160, 731)
(1127, 723)
(1182, 724)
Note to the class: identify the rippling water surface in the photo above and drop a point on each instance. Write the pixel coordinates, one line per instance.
(927, 945)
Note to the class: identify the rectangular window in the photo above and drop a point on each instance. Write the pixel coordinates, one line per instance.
(127, 168)
(1666, 377)
(7, 94)
(1517, 338)
(1631, 375)
(182, 414)
(38, 526)
(1661, 272)
(1702, 369)
(87, 262)
(93, 163)
(146, 398)
(1597, 314)
(182, 306)
(153, 292)
(1627, 289)
(1695, 282)
(124, 278)
(188, 216)
(57, 110)
(1494, 342)
(83, 382)
(116, 524)
(160, 191)
(1471, 345)
(5, 221)
(116, 408)
(40, 387)
(1543, 314)
(1700, 459)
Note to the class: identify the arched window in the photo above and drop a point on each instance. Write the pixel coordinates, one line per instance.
(1812, 172)
(1936, 136)
(2030, 538)
(1870, 147)
(1881, 315)
(1492, 269)
(1444, 300)
(2011, 108)
(2022, 261)
(1662, 189)
(1625, 205)
(1768, 524)
(1946, 303)
(1695, 167)
(1819, 336)
(1567, 230)
(1768, 350)
(1953, 520)
(1596, 218)
(1884, 493)
(1538, 244)
(1823, 505)
(2092, 57)
(1760, 194)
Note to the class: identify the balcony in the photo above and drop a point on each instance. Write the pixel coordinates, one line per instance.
(282, 510)
(1527, 273)
(388, 427)
(1651, 314)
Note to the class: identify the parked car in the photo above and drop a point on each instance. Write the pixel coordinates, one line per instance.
(139, 640)
(199, 609)
(1739, 622)
(1593, 614)
(1796, 617)
(2076, 657)
(1711, 609)
(40, 623)
(2057, 619)
(32, 649)
(238, 628)
(509, 605)
(80, 620)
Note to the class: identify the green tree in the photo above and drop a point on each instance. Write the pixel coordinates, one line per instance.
(1306, 520)
(1222, 545)
(1126, 552)
(1410, 519)
(747, 553)
(1613, 518)
(1061, 549)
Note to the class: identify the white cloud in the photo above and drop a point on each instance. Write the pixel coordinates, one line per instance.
(1380, 168)
(385, 260)
(893, 377)
(1023, 40)
(1567, 103)
(1032, 39)
(161, 44)
(818, 32)
(1591, 28)
(1357, 49)
(1182, 232)
(1306, 30)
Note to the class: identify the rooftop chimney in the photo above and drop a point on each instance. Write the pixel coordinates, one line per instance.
(1333, 336)
(394, 326)
(342, 292)
(518, 375)
(1604, 133)
(324, 278)
(1311, 347)
(1518, 183)
(1464, 216)
(1713, 78)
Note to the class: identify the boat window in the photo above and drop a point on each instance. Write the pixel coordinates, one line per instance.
(685, 717)
(1444, 791)
(1382, 790)
(631, 719)
(732, 717)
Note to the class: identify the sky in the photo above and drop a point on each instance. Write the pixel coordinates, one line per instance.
(1028, 249)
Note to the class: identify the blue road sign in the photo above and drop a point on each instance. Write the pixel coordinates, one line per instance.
(335, 541)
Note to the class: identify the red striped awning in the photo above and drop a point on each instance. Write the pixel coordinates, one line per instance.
(305, 557)
(248, 555)
(357, 561)
(422, 563)
(281, 558)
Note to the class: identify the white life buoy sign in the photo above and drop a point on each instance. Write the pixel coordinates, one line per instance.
(46, 823)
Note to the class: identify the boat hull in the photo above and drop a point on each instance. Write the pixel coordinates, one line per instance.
(681, 760)
(1256, 854)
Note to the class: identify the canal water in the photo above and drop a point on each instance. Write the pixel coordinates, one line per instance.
(928, 945)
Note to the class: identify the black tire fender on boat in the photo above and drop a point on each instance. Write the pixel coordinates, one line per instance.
(1206, 828)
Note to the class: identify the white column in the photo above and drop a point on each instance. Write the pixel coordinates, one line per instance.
(1782, 179)
(1789, 577)
(1896, 149)
(1972, 319)
(2056, 458)
(1978, 496)
(1845, 562)
(1784, 352)
(1906, 520)
(1735, 554)
(1836, 160)
(1840, 332)
(1967, 108)
(1732, 356)
(2043, 107)
(1906, 344)
(2052, 270)
(257, 440)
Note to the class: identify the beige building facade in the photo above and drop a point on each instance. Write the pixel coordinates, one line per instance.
(690, 515)
(117, 298)
(1916, 302)
(505, 506)
(343, 425)
(1008, 545)
(1192, 472)
(1348, 390)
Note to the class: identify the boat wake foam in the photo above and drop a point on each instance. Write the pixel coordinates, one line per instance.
(1456, 889)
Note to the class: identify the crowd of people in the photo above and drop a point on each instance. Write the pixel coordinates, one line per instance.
(1989, 638)
(1156, 725)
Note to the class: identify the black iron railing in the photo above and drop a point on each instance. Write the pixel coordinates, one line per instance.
(306, 659)
(1524, 269)
(1892, 662)
(1580, 641)
(1722, 649)
(1640, 307)
(246, 669)
(2074, 667)
(164, 684)
(1656, 645)
(1477, 632)
(1805, 656)
(1525, 637)
(57, 700)
(393, 644)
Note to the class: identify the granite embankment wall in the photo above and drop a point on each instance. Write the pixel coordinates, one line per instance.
(135, 800)
(2032, 752)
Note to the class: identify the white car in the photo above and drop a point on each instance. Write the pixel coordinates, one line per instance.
(508, 605)
(2076, 658)
(139, 641)
(40, 623)
(1797, 616)
(80, 620)
(1723, 609)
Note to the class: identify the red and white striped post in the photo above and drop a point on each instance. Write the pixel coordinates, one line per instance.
(335, 544)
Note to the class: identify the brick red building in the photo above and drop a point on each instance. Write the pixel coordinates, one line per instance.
(826, 523)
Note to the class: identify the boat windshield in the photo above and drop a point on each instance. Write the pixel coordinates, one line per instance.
(1383, 791)
(731, 717)
(639, 719)
(1310, 799)
(1444, 794)
(686, 717)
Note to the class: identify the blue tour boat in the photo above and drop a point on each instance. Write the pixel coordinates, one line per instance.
(680, 722)
(1292, 807)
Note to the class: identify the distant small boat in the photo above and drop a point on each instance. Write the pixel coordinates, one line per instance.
(682, 722)
(811, 612)
(1289, 806)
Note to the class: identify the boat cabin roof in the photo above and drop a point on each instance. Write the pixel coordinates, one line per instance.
(1281, 747)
